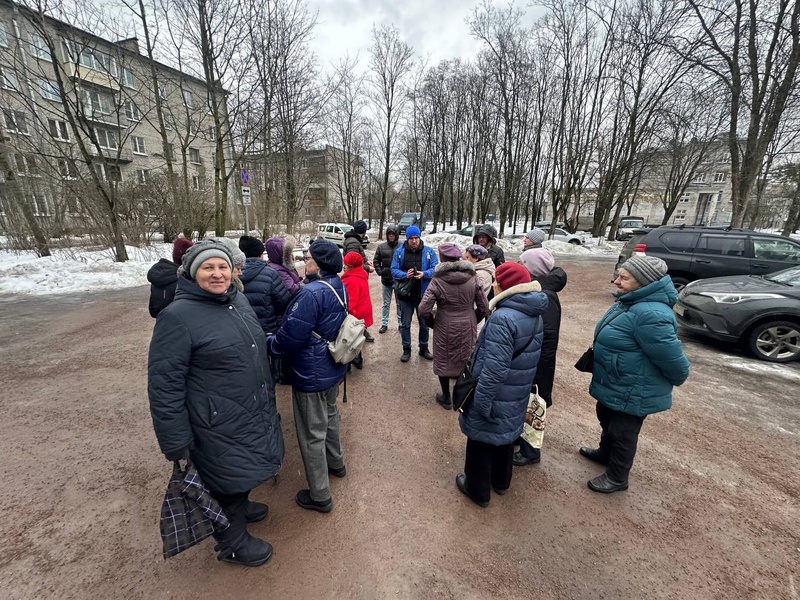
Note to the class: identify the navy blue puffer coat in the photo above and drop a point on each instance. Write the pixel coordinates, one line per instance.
(314, 308)
(265, 292)
(210, 385)
(497, 411)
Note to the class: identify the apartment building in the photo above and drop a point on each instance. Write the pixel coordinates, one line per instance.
(77, 111)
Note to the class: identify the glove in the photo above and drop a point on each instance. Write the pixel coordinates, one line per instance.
(180, 454)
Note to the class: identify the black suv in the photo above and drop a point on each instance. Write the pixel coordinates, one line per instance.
(694, 252)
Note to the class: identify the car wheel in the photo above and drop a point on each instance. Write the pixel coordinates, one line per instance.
(679, 282)
(576, 242)
(775, 341)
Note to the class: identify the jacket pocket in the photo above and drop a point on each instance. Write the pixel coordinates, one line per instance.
(213, 412)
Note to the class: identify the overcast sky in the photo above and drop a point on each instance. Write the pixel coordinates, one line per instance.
(433, 28)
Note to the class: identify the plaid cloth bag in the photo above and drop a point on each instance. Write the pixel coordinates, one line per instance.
(189, 514)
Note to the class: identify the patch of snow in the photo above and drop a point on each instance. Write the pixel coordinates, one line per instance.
(756, 366)
(555, 246)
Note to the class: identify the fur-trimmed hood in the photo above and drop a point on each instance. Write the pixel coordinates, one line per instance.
(456, 272)
(522, 288)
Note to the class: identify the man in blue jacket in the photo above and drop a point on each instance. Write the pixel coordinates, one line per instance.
(313, 374)
(412, 268)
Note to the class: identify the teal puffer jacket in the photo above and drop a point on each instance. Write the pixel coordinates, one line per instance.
(637, 355)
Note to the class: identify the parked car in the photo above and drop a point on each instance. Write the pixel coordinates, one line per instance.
(335, 233)
(562, 235)
(694, 252)
(468, 231)
(546, 225)
(626, 225)
(411, 218)
(763, 311)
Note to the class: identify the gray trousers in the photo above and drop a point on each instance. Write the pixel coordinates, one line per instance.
(316, 420)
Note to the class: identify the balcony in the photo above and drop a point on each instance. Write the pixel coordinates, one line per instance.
(93, 77)
(115, 155)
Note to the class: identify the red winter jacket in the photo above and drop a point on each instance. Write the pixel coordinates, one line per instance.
(360, 304)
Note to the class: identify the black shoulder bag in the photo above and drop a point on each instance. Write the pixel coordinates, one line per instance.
(464, 389)
(585, 363)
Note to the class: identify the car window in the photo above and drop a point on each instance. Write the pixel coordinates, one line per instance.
(721, 245)
(774, 249)
(329, 229)
(337, 230)
(561, 232)
(679, 241)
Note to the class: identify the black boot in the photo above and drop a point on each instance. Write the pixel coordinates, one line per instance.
(444, 402)
(425, 353)
(256, 511)
(406, 354)
(358, 362)
(244, 550)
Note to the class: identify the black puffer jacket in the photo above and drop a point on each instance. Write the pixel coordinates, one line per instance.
(383, 256)
(210, 385)
(163, 277)
(266, 293)
(495, 252)
(552, 283)
(352, 243)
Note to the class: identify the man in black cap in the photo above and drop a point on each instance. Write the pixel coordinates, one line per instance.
(313, 374)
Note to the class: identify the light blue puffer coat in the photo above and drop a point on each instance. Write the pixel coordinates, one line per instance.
(497, 411)
(638, 357)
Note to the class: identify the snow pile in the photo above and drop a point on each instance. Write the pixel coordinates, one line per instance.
(70, 271)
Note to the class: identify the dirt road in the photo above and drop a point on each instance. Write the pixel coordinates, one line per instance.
(712, 511)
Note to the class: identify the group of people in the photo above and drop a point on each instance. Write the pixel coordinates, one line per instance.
(235, 323)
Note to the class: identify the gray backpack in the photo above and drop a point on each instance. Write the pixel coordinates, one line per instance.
(350, 339)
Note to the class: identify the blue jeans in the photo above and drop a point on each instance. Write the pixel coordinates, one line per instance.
(406, 310)
(388, 293)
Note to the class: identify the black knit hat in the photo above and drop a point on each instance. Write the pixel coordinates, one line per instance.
(251, 246)
(360, 227)
(327, 256)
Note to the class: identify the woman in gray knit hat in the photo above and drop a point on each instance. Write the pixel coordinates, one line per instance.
(638, 359)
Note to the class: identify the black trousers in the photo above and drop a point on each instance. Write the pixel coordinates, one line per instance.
(487, 466)
(235, 508)
(618, 440)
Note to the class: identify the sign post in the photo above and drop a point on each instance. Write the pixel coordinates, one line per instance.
(246, 199)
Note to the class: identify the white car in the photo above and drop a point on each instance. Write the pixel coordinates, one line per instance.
(335, 233)
(562, 235)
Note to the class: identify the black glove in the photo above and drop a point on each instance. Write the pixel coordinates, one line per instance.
(180, 454)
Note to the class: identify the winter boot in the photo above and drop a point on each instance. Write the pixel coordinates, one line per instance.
(406, 354)
(244, 550)
(444, 402)
(425, 353)
(256, 511)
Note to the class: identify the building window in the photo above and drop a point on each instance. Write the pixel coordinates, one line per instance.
(196, 182)
(49, 90)
(58, 130)
(97, 102)
(187, 99)
(8, 79)
(680, 214)
(684, 199)
(108, 172)
(191, 126)
(699, 177)
(212, 133)
(26, 164)
(142, 176)
(138, 145)
(170, 152)
(40, 207)
(16, 121)
(168, 122)
(194, 156)
(162, 92)
(3, 36)
(132, 111)
(126, 78)
(67, 168)
(719, 177)
(39, 47)
(106, 138)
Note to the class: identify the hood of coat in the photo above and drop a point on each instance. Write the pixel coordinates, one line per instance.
(289, 243)
(488, 231)
(252, 267)
(189, 290)
(358, 273)
(486, 264)
(455, 272)
(522, 297)
(274, 249)
(554, 281)
(163, 273)
(352, 234)
(659, 291)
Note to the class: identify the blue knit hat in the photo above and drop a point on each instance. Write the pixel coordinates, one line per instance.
(412, 231)
(327, 256)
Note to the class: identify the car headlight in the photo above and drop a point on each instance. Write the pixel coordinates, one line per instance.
(734, 298)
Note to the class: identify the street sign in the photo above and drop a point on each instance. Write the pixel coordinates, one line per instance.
(245, 177)
(246, 199)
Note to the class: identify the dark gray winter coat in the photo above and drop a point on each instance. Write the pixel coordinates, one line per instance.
(552, 283)
(382, 260)
(210, 386)
(460, 306)
(497, 411)
(265, 292)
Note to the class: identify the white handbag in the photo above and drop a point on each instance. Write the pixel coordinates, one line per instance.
(533, 427)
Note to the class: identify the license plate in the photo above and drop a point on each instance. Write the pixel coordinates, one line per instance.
(678, 309)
